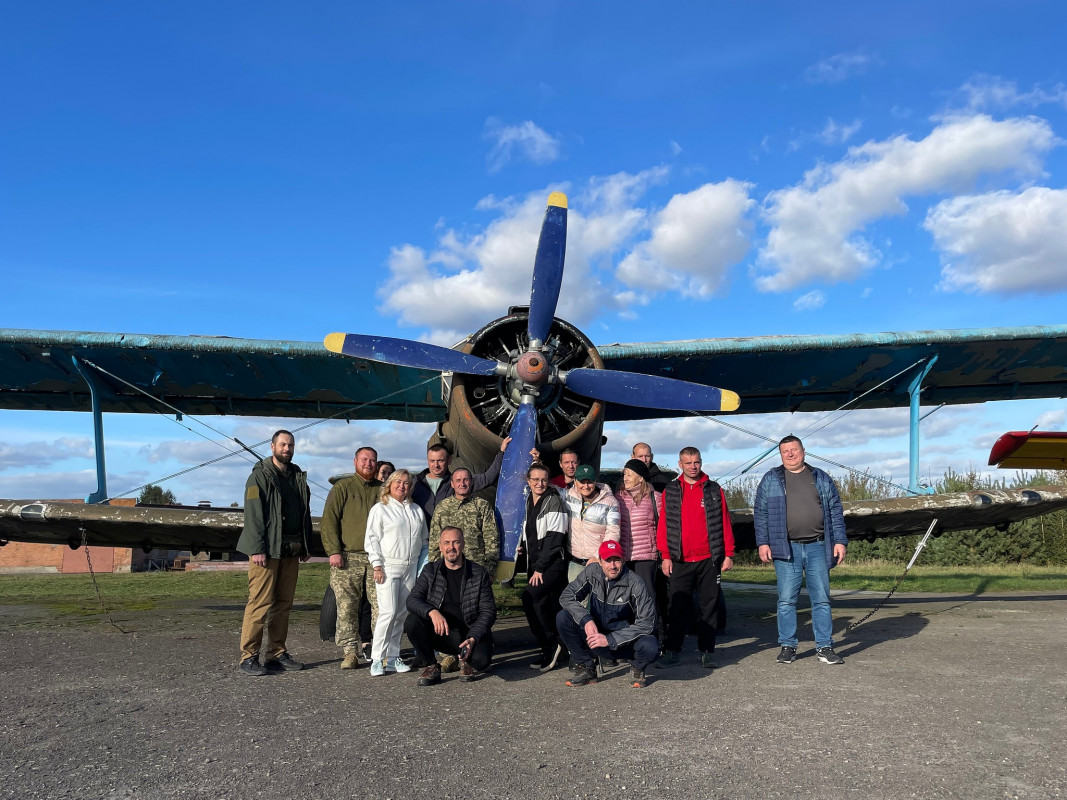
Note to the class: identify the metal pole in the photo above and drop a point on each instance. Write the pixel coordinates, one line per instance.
(100, 495)
(914, 390)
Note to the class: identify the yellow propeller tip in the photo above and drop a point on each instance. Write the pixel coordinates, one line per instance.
(334, 342)
(557, 199)
(730, 400)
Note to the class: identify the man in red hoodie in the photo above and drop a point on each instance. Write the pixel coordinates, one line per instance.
(696, 540)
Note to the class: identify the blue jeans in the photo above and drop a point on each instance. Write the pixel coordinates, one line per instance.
(807, 561)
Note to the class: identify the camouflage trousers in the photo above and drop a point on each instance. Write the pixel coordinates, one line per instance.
(350, 584)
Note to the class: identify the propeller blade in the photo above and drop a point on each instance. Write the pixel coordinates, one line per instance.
(406, 353)
(548, 267)
(649, 391)
(511, 487)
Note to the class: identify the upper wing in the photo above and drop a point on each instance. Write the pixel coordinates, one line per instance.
(208, 375)
(817, 373)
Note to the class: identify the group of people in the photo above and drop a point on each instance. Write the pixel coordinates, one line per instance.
(611, 574)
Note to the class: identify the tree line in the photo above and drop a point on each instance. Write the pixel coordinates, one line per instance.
(1039, 541)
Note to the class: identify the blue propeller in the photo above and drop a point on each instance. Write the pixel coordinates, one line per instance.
(648, 391)
(548, 268)
(511, 489)
(406, 353)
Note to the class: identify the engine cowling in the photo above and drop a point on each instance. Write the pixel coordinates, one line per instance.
(481, 408)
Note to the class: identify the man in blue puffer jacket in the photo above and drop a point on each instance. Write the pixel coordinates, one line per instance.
(800, 524)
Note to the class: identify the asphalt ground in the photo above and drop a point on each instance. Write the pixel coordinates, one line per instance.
(939, 696)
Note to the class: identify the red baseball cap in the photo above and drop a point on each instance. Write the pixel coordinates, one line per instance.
(610, 549)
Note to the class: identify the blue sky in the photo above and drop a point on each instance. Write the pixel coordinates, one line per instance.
(733, 170)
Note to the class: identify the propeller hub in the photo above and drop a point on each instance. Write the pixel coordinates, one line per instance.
(532, 367)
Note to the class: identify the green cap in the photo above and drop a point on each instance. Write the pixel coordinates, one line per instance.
(585, 473)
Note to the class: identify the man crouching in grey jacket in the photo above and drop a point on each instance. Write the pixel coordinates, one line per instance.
(618, 622)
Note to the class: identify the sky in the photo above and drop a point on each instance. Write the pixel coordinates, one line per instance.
(742, 169)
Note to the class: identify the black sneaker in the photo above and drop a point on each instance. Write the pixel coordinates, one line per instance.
(828, 656)
(367, 649)
(787, 655)
(284, 662)
(585, 675)
(251, 666)
(638, 679)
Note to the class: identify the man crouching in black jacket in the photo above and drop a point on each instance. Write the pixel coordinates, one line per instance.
(452, 611)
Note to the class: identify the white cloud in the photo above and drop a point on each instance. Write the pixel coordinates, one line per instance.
(695, 239)
(837, 133)
(676, 149)
(62, 485)
(1052, 420)
(523, 141)
(44, 454)
(838, 68)
(832, 133)
(984, 92)
(810, 301)
(470, 279)
(1002, 241)
(814, 224)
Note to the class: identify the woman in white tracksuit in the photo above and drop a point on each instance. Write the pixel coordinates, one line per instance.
(396, 538)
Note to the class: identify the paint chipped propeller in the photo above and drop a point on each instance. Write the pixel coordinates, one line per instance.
(531, 370)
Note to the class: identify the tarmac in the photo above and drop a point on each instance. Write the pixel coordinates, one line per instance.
(939, 697)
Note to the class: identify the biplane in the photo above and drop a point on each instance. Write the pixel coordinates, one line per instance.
(527, 374)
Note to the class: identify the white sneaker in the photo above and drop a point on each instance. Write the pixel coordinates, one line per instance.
(377, 668)
(397, 665)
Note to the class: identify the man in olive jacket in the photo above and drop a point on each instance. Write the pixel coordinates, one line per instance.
(343, 529)
(275, 538)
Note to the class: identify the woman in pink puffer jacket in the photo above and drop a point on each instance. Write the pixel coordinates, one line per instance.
(638, 518)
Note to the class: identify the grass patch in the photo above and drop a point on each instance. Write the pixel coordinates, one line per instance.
(144, 591)
(879, 576)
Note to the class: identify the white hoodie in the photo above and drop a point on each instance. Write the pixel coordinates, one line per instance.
(396, 533)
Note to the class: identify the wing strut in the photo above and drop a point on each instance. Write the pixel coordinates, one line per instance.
(100, 495)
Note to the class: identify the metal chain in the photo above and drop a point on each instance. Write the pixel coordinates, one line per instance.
(96, 586)
(903, 575)
(878, 607)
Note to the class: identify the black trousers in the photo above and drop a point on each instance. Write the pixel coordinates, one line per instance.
(687, 577)
(365, 633)
(421, 634)
(541, 604)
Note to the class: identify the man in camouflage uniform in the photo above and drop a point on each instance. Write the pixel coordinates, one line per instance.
(472, 515)
(343, 528)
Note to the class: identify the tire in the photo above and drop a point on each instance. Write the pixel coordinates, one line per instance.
(328, 616)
